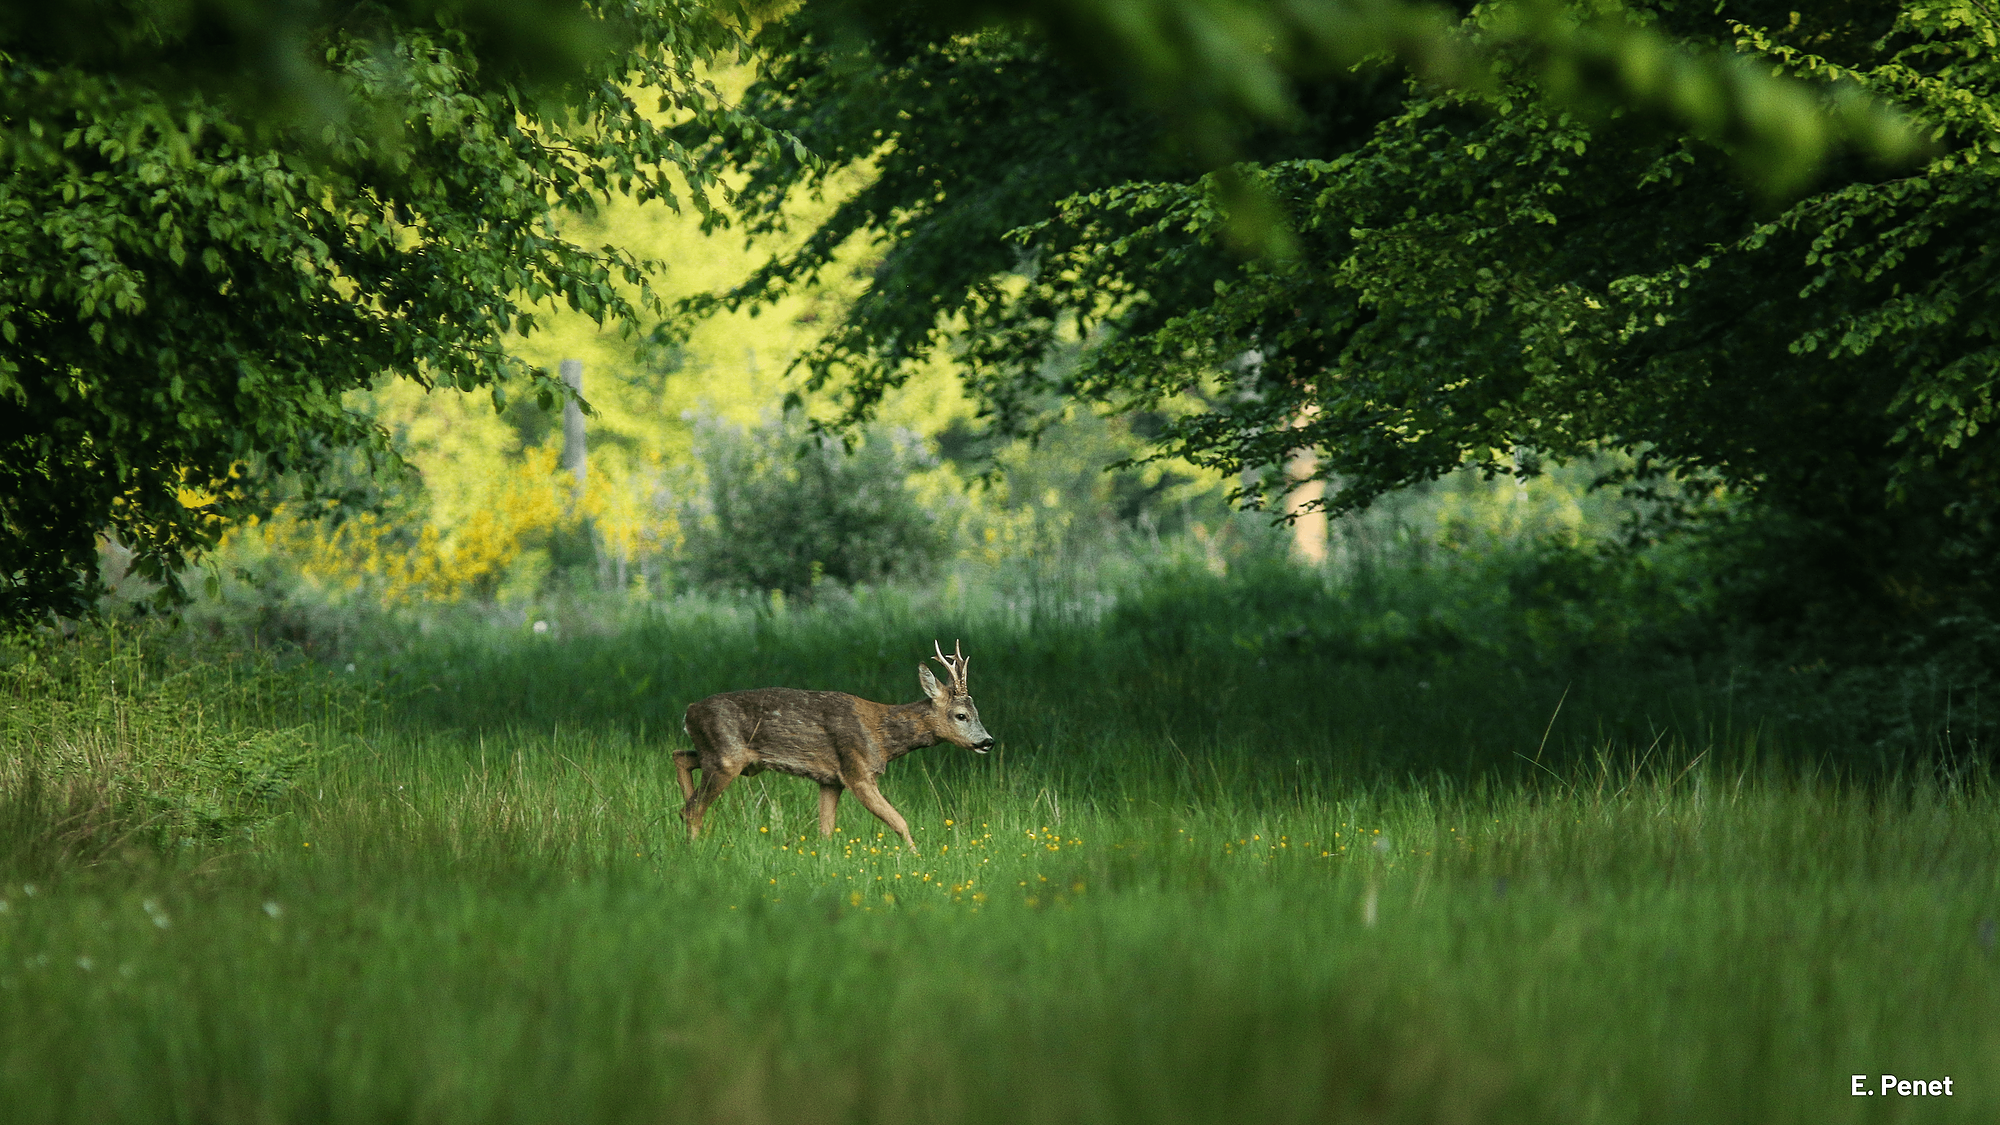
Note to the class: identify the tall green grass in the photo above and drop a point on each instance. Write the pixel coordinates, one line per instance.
(1224, 870)
(1396, 676)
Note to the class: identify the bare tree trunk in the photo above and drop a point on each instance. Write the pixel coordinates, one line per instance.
(1302, 503)
(575, 457)
(1308, 525)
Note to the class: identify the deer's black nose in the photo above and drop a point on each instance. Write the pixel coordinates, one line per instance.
(983, 747)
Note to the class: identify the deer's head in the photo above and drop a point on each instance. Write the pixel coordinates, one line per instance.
(952, 714)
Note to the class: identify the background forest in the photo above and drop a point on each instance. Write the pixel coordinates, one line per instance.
(1726, 388)
(1476, 523)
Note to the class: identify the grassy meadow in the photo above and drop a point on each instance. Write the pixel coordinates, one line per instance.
(1263, 849)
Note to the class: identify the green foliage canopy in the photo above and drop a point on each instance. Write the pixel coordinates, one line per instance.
(1473, 269)
(191, 281)
(1214, 68)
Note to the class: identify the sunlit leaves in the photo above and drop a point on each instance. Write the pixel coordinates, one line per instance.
(191, 283)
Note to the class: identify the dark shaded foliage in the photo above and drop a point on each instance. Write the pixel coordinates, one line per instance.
(1475, 276)
(785, 510)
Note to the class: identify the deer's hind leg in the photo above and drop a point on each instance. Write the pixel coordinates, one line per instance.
(685, 763)
(714, 779)
(720, 753)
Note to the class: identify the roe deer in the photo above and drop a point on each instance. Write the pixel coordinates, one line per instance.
(836, 739)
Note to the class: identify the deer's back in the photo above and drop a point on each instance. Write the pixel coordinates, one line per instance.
(784, 729)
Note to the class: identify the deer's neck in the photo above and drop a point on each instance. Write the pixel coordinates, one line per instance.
(907, 727)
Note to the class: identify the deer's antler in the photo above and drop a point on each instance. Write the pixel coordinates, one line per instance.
(955, 665)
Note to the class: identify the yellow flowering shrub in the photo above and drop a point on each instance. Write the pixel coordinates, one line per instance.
(399, 563)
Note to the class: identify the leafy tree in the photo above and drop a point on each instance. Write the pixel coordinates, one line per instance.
(192, 279)
(1472, 270)
(270, 58)
(1213, 68)
(220, 216)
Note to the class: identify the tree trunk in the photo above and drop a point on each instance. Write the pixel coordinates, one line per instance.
(575, 457)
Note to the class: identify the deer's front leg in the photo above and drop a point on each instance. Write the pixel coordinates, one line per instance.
(871, 798)
(829, 797)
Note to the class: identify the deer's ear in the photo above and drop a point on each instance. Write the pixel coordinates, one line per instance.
(930, 683)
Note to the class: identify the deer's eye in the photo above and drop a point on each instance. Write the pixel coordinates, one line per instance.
(960, 716)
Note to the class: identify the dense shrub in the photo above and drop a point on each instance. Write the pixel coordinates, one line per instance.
(786, 510)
